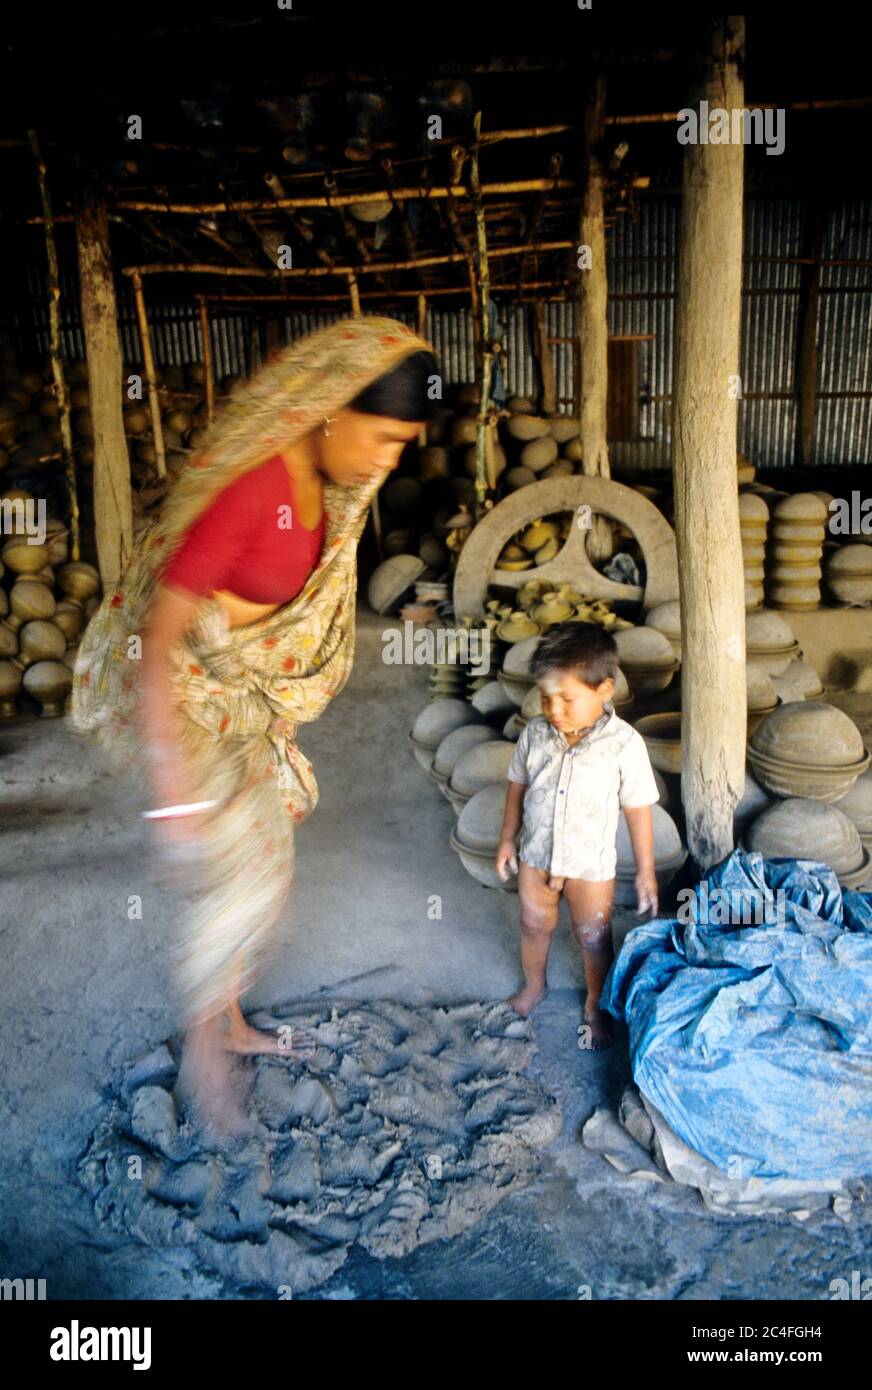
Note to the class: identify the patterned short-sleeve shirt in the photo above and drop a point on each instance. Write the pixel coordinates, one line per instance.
(574, 794)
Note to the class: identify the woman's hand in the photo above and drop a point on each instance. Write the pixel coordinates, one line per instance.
(506, 859)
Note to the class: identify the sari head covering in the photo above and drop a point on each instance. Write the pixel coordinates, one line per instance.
(230, 686)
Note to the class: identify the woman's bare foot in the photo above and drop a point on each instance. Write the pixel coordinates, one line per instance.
(600, 1025)
(248, 1041)
(526, 999)
(210, 1087)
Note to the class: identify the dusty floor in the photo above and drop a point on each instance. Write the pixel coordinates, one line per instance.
(83, 986)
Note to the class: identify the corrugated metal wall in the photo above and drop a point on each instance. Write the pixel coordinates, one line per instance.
(642, 287)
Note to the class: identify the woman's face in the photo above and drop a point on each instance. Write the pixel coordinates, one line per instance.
(361, 447)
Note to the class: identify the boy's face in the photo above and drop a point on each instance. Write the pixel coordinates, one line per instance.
(568, 703)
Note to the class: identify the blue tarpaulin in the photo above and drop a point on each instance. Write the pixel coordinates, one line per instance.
(755, 1041)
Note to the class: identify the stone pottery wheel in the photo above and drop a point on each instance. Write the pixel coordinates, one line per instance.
(476, 567)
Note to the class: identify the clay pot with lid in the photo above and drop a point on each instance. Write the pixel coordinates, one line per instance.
(808, 749)
(453, 745)
(646, 658)
(48, 682)
(802, 828)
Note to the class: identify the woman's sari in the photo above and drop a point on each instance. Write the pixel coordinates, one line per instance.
(242, 691)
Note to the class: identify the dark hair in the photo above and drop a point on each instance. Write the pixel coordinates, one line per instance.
(401, 394)
(586, 650)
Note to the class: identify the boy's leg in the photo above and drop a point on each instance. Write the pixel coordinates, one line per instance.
(590, 907)
(539, 913)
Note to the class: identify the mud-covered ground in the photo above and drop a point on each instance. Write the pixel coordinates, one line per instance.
(84, 995)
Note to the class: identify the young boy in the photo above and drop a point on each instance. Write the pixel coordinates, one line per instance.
(573, 768)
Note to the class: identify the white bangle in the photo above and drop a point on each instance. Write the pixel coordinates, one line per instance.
(171, 812)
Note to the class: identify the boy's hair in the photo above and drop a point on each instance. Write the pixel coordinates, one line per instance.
(585, 649)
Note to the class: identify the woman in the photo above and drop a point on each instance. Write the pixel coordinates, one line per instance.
(243, 593)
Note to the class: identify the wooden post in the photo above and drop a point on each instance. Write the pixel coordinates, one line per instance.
(113, 503)
(484, 475)
(62, 395)
(542, 352)
(807, 340)
(421, 329)
(711, 579)
(593, 330)
(151, 379)
(208, 365)
(354, 292)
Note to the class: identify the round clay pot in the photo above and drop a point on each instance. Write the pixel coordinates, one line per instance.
(669, 855)
(519, 405)
(23, 558)
(752, 801)
(68, 616)
(857, 805)
(479, 864)
(390, 580)
(464, 429)
(456, 743)
(802, 597)
(539, 453)
(563, 428)
(768, 632)
(666, 618)
(802, 507)
(8, 641)
(10, 684)
(572, 450)
(30, 598)
(476, 768)
(492, 703)
(517, 628)
(561, 469)
(799, 682)
(753, 510)
(526, 427)
(49, 682)
(433, 463)
(643, 647)
(849, 574)
(810, 734)
(470, 461)
(78, 580)
(662, 735)
(518, 477)
(438, 718)
(801, 828)
(479, 825)
(803, 533)
(40, 641)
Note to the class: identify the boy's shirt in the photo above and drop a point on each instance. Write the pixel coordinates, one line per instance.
(574, 794)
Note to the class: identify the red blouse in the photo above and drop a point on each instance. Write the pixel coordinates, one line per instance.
(249, 542)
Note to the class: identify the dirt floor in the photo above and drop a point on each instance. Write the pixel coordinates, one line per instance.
(84, 989)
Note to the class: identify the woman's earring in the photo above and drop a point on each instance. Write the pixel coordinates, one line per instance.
(328, 420)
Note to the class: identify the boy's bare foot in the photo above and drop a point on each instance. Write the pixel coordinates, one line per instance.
(600, 1025)
(526, 999)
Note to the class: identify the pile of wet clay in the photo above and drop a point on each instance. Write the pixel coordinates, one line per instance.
(404, 1125)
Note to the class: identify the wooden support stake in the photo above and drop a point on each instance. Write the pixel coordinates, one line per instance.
(421, 329)
(208, 367)
(354, 293)
(150, 377)
(113, 501)
(542, 350)
(711, 578)
(56, 347)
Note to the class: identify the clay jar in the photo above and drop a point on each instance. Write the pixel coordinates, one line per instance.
(437, 719)
(40, 641)
(802, 828)
(49, 683)
(808, 749)
(477, 834)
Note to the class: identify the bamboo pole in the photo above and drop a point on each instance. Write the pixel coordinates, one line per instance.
(208, 366)
(484, 474)
(354, 295)
(56, 346)
(113, 501)
(542, 350)
(711, 579)
(421, 329)
(316, 272)
(150, 377)
(593, 331)
(334, 200)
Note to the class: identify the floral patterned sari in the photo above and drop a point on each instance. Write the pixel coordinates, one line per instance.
(242, 691)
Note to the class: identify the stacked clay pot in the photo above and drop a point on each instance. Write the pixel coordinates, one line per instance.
(45, 608)
(849, 575)
(514, 675)
(480, 766)
(770, 645)
(804, 828)
(808, 749)
(856, 804)
(666, 618)
(476, 836)
(646, 659)
(762, 697)
(795, 548)
(753, 524)
(437, 719)
(453, 745)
